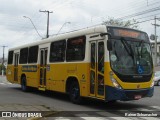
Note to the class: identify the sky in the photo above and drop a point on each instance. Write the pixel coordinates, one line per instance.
(17, 30)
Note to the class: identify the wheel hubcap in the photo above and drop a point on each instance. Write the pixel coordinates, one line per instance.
(75, 93)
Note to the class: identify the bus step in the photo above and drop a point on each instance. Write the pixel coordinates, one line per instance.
(42, 88)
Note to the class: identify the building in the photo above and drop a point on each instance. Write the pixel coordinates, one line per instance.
(158, 51)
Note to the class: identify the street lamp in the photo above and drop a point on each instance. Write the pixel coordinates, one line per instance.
(63, 26)
(33, 25)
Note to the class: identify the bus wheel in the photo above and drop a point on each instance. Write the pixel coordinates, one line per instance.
(23, 84)
(74, 93)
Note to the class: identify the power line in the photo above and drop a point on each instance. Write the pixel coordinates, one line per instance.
(137, 5)
(140, 13)
(142, 21)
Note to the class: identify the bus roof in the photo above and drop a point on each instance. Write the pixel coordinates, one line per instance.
(76, 33)
(85, 31)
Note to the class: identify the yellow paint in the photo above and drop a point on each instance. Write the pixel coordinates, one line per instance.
(126, 85)
(57, 75)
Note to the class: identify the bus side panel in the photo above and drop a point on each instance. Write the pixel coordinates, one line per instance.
(10, 73)
(57, 75)
(32, 74)
(83, 74)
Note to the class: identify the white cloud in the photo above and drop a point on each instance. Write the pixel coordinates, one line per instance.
(16, 30)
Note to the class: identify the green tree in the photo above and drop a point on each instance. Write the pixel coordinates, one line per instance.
(117, 22)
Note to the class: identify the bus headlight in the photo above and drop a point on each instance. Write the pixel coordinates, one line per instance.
(114, 81)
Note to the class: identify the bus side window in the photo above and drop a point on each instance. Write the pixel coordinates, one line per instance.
(57, 51)
(23, 56)
(10, 57)
(33, 54)
(76, 49)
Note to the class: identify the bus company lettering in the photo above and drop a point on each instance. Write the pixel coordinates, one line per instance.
(29, 68)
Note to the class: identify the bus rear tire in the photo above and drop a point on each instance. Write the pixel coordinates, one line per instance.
(24, 84)
(74, 93)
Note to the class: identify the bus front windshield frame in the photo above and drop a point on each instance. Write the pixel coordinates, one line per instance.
(131, 57)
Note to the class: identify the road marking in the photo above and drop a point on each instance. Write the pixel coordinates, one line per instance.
(144, 109)
(149, 118)
(62, 118)
(5, 83)
(121, 118)
(92, 118)
(157, 107)
(2, 83)
(87, 117)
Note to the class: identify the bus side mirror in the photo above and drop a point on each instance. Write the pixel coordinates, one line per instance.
(109, 42)
(109, 45)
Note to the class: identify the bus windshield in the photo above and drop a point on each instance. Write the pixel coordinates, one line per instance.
(131, 57)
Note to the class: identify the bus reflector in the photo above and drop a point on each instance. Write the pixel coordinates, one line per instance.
(42, 88)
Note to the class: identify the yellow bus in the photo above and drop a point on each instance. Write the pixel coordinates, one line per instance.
(102, 62)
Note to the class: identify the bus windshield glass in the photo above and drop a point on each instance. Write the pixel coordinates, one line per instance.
(130, 55)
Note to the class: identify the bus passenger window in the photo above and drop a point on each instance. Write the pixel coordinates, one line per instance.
(10, 57)
(57, 51)
(76, 49)
(23, 56)
(33, 54)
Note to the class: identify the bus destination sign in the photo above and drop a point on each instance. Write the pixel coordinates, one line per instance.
(127, 33)
(124, 32)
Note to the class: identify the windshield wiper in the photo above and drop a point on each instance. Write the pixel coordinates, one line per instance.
(127, 47)
(141, 46)
(142, 41)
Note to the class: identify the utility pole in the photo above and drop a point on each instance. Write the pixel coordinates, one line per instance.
(155, 32)
(47, 35)
(3, 60)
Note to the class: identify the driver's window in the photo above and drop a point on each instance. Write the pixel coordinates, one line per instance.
(145, 52)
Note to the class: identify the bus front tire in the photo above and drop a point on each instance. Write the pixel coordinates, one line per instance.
(74, 93)
(24, 84)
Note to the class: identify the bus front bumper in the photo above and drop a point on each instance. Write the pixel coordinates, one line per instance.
(125, 95)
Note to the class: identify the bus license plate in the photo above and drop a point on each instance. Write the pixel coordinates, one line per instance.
(136, 97)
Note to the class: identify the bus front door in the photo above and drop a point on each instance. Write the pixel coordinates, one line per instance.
(97, 52)
(43, 64)
(16, 58)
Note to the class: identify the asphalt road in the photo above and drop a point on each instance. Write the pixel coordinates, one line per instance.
(11, 94)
